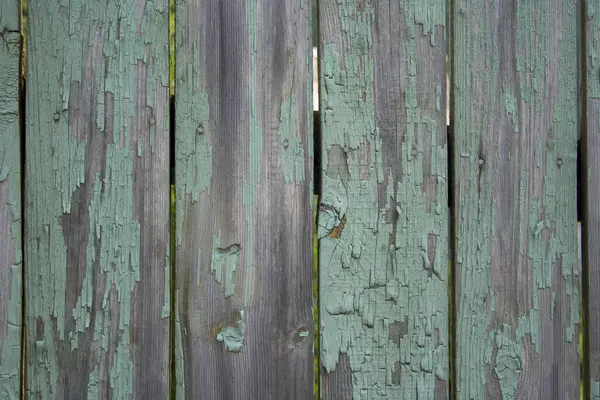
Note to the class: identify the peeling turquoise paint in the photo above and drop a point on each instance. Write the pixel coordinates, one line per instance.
(546, 233)
(383, 303)
(93, 68)
(119, 257)
(10, 204)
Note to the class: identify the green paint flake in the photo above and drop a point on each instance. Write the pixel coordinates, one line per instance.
(227, 257)
(383, 305)
(179, 359)
(510, 106)
(233, 337)
(594, 390)
(166, 309)
(508, 363)
(292, 152)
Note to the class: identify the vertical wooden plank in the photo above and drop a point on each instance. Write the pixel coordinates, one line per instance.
(383, 215)
(244, 197)
(10, 203)
(97, 180)
(515, 125)
(591, 223)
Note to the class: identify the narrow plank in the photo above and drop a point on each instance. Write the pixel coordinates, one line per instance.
(591, 222)
(244, 197)
(10, 204)
(383, 215)
(515, 131)
(97, 200)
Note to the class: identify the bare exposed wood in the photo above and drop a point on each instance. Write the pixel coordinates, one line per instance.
(515, 126)
(591, 176)
(244, 173)
(383, 217)
(10, 203)
(97, 200)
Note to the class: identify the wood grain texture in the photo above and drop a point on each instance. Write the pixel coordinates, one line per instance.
(10, 203)
(515, 124)
(244, 196)
(97, 202)
(591, 223)
(383, 216)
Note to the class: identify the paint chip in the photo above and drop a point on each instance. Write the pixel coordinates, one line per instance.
(233, 337)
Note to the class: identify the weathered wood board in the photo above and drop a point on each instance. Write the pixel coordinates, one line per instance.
(244, 196)
(515, 113)
(591, 223)
(97, 200)
(383, 213)
(10, 203)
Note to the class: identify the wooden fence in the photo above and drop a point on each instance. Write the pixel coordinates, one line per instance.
(158, 243)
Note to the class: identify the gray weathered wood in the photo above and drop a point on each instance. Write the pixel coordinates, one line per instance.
(97, 200)
(383, 216)
(243, 178)
(10, 203)
(515, 130)
(591, 223)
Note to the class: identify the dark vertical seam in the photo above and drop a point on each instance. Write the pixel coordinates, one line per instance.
(172, 203)
(318, 172)
(452, 384)
(22, 111)
(583, 201)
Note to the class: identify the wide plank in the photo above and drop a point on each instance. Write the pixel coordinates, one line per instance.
(243, 101)
(383, 214)
(97, 200)
(591, 222)
(11, 266)
(515, 112)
